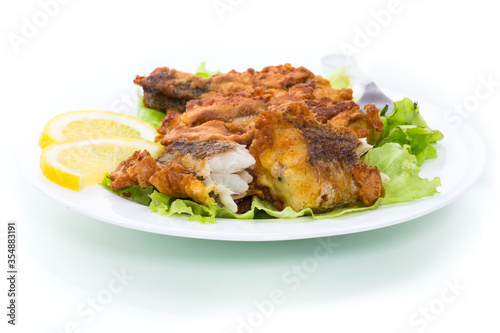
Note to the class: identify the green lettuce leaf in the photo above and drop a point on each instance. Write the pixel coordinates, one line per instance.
(406, 126)
(204, 72)
(288, 213)
(134, 193)
(260, 209)
(340, 78)
(167, 206)
(149, 115)
(401, 166)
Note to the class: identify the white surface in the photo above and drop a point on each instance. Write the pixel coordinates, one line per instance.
(372, 281)
(457, 174)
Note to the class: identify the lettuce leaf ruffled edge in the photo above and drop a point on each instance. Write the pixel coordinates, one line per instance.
(260, 208)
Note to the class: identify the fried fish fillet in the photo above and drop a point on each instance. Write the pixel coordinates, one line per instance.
(304, 140)
(135, 170)
(238, 108)
(233, 117)
(217, 117)
(211, 130)
(168, 89)
(342, 111)
(302, 163)
(209, 172)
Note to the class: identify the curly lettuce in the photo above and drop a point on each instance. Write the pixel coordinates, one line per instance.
(401, 166)
(260, 209)
(406, 126)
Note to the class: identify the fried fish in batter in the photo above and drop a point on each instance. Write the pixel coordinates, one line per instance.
(209, 172)
(233, 117)
(342, 111)
(218, 117)
(304, 140)
(304, 164)
(168, 89)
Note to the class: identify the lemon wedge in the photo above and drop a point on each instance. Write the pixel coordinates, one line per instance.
(79, 164)
(92, 124)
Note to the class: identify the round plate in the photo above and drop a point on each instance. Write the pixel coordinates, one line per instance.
(461, 158)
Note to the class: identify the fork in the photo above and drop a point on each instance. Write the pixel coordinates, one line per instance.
(371, 93)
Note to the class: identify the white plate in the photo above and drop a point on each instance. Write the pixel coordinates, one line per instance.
(461, 158)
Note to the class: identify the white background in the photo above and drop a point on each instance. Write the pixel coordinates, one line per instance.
(377, 281)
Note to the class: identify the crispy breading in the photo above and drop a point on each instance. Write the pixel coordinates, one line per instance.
(168, 89)
(198, 149)
(243, 108)
(238, 108)
(368, 178)
(176, 181)
(211, 130)
(342, 111)
(171, 120)
(135, 170)
(364, 124)
(304, 164)
(217, 117)
(170, 177)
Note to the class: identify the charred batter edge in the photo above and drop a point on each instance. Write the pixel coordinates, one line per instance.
(198, 149)
(158, 101)
(325, 144)
(168, 89)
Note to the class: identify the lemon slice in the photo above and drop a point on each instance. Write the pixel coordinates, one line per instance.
(79, 164)
(92, 124)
